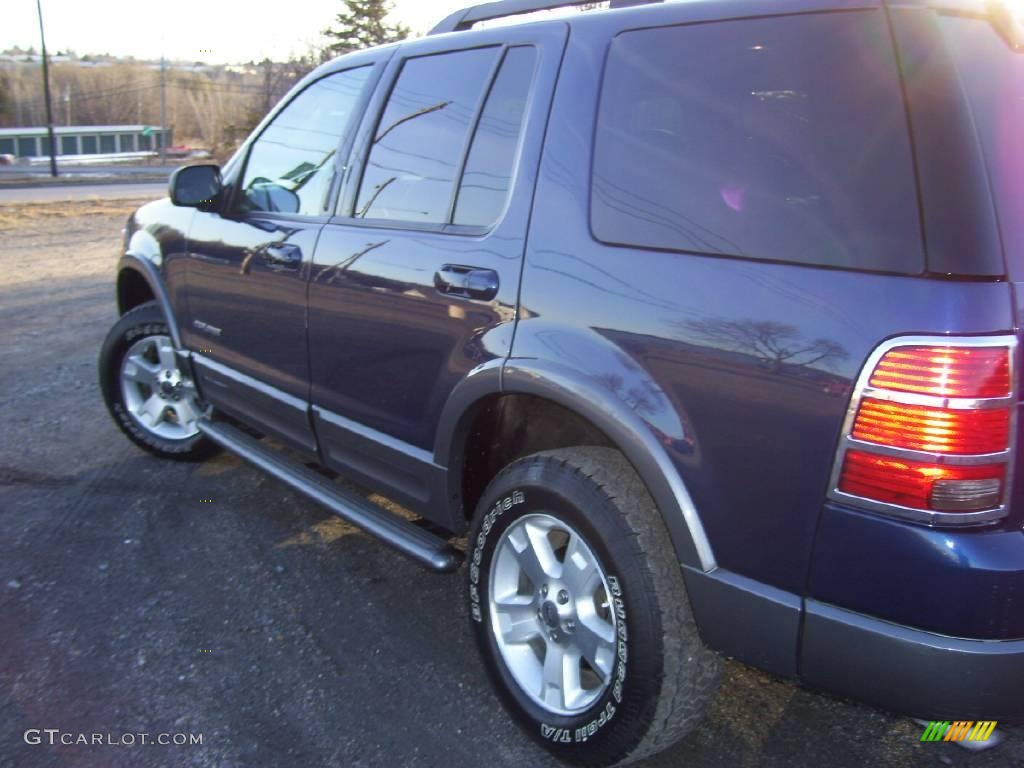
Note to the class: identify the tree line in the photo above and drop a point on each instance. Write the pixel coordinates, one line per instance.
(211, 107)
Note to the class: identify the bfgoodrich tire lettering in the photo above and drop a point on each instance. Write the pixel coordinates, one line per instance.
(662, 678)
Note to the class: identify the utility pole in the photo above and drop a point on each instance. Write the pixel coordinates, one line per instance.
(46, 94)
(268, 86)
(163, 111)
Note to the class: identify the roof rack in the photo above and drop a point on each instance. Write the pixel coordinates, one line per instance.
(467, 17)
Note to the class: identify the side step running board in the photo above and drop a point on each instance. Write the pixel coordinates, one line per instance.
(429, 550)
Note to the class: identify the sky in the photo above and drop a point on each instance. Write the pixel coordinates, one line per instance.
(214, 31)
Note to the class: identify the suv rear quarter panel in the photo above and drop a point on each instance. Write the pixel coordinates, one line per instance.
(753, 438)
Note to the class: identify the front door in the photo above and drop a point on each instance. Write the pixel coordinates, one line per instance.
(249, 263)
(415, 281)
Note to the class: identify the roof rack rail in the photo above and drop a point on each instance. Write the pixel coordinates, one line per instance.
(467, 17)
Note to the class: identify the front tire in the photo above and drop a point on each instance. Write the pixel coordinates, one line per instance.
(580, 611)
(150, 397)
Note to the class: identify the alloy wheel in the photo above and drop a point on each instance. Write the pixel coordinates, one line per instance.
(159, 397)
(551, 614)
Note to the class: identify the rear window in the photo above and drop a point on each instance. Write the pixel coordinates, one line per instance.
(993, 77)
(780, 139)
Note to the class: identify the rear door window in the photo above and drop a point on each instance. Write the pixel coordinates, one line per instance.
(780, 138)
(447, 145)
(421, 138)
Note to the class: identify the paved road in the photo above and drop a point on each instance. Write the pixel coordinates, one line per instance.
(56, 192)
(138, 595)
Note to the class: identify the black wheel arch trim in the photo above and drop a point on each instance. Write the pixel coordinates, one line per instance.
(626, 430)
(151, 274)
(746, 620)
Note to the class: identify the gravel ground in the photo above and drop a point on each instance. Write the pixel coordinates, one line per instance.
(145, 596)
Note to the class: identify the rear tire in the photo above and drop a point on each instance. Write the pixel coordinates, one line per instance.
(600, 669)
(151, 399)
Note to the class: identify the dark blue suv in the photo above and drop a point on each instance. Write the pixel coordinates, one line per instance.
(698, 320)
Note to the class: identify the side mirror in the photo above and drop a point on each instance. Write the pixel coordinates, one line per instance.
(195, 186)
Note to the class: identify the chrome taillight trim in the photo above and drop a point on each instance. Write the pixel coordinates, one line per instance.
(951, 459)
(924, 516)
(931, 401)
(863, 390)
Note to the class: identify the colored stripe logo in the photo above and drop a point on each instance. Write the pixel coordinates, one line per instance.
(958, 730)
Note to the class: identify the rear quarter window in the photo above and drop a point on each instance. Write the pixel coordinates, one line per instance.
(781, 139)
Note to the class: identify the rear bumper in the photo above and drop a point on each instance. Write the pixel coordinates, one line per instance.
(910, 671)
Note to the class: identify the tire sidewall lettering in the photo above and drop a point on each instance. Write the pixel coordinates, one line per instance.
(587, 731)
(501, 506)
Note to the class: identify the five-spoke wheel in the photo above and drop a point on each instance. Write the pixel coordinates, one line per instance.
(155, 391)
(551, 614)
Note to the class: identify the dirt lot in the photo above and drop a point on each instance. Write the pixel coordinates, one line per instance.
(130, 604)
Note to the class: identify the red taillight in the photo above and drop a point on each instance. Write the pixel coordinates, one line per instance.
(945, 371)
(930, 432)
(933, 430)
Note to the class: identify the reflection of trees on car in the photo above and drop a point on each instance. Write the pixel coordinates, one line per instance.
(775, 344)
(379, 189)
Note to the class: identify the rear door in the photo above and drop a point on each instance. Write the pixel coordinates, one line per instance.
(415, 279)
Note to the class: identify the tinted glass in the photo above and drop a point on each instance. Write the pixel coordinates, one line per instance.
(421, 138)
(89, 145)
(993, 74)
(488, 175)
(290, 165)
(781, 139)
(108, 145)
(27, 147)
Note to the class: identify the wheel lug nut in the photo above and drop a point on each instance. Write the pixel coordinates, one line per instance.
(563, 597)
(544, 591)
(570, 626)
